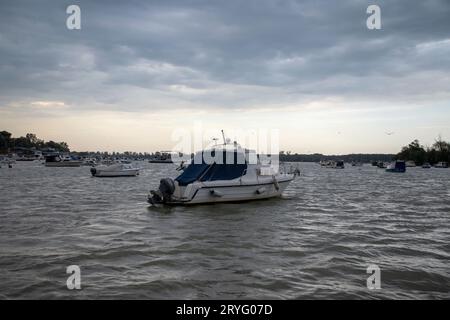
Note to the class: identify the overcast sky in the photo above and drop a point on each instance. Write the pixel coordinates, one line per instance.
(138, 70)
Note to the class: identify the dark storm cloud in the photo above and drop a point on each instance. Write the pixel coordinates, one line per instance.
(145, 55)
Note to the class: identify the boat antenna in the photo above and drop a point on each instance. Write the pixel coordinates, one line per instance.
(223, 136)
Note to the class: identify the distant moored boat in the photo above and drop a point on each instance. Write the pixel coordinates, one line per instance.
(410, 164)
(115, 170)
(397, 166)
(161, 157)
(60, 161)
(441, 165)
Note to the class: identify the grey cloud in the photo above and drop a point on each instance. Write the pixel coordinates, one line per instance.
(146, 55)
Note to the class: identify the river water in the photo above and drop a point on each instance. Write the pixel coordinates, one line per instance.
(315, 242)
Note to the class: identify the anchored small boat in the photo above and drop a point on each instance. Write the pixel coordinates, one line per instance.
(57, 160)
(397, 166)
(115, 170)
(426, 165)
(382, 165)
(161, 157)
(410, 164)
(89, 162)
(222, 174)
(333, 164)
(6, 161)
(441, 165)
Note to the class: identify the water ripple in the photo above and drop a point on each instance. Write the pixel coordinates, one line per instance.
(313, 243)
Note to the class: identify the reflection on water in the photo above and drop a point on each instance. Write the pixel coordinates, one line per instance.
(314, 242)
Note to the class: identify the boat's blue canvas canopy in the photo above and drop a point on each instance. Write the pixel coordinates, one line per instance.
(191, 173)
(213, 172)
(224, 172)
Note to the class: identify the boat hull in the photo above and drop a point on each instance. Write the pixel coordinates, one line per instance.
(396, 170)
(63, 164)
(113, 174)
(234, 193)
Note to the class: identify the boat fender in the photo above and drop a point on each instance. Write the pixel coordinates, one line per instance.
(275, 183)
(216, 193)
(261, 190)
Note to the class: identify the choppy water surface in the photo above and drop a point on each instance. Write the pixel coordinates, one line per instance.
(315, 242)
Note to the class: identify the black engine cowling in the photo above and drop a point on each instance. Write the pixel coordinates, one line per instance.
(164, 192)
(167, 187)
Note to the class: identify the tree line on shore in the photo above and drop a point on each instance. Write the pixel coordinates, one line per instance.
(10, 144)
(317, 157)
(438, 152)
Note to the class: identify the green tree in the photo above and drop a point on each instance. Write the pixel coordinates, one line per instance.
(442, 149)
(413, 152)
(5, 140)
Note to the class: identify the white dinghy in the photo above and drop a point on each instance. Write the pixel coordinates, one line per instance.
(115, 170)
(234, 174)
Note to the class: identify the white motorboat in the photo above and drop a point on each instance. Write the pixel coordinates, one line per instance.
(89, 162)
(410, 164)
(233, 175)
(441, 165)
(332, 164)
(426, 165)
(115, 170)
(324, 163)
(336, 165)
(161, 157)
(6, 161)
(397, 166)
(382, 165)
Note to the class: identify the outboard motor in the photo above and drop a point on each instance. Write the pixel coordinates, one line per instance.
(93, 171)
(164, 192)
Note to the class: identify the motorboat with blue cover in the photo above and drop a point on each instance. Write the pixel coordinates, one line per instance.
(222, 174)
(397, 166)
